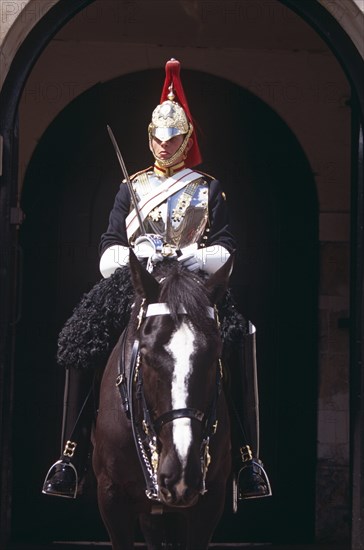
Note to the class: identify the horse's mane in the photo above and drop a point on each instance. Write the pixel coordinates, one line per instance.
(180, 287)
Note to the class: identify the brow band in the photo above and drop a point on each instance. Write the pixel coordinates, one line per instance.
(163, 309)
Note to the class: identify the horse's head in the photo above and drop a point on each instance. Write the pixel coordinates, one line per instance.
(179, 373)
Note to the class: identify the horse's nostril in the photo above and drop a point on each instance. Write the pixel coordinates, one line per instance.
(169, 472)
(166, 482)
(166, 494)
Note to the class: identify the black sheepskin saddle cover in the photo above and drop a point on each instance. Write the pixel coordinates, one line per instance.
(90, 334)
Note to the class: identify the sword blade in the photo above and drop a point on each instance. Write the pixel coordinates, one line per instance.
(127, 179)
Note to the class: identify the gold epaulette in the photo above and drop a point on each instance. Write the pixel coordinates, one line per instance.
(205, 174)
(133, 176)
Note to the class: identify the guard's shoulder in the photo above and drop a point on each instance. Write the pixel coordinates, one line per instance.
(145, 171)
(205, 175)
(209, 179)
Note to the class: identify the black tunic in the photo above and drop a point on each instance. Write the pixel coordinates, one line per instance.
(217, 229)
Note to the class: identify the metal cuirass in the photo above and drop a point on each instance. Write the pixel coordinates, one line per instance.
(181, 219)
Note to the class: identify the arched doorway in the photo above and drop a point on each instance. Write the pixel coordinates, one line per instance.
(68, 191)
(316, 16)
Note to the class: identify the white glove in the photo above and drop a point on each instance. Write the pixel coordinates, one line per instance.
(149, 246)
(146, 246)
(113, 257)
(209, 259)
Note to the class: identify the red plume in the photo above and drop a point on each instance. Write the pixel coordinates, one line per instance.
(173, 77)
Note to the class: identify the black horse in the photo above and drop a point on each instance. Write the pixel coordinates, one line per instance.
(162, 437)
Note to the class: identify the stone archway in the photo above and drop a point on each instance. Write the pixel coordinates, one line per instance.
(277, 253)
(318, 21)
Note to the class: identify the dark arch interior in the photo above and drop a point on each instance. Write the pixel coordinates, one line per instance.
(68, 191)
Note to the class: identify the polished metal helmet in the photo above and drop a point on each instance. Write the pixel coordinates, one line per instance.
(168, 120)
(172, 117)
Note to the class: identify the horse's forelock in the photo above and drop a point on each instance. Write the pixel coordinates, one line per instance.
(183, 288)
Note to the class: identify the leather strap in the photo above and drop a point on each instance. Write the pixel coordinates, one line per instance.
(169, 416)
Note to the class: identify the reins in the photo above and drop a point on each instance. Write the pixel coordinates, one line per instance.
(145, 431)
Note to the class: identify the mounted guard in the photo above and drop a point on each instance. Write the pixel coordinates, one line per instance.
(173, 210)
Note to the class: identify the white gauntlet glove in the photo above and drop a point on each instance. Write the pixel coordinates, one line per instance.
(146, 246)
(149, 245)
(209, 259)
(113, 257)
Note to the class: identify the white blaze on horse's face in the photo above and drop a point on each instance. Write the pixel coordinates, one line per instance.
(181, 348)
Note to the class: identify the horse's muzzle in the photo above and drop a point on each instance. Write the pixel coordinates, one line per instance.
(174, 490)
(179, 496)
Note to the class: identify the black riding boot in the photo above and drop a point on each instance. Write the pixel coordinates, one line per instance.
(250, 478)
(64, 476)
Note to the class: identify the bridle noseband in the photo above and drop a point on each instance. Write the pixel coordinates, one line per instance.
(145, 431)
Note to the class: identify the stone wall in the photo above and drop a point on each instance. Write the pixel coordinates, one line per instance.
(294, 72)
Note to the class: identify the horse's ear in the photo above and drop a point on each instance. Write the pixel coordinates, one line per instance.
(144, 283)
(217, 284)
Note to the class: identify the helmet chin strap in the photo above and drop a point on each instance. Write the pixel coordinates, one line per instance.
(178, 155)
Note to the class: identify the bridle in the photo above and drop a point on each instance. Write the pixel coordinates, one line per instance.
(145, 430)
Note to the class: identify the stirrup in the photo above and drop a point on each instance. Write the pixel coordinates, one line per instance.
(67, 483)
(251, 482)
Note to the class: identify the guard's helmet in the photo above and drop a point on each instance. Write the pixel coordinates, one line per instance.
(168, 120)
(172, 117)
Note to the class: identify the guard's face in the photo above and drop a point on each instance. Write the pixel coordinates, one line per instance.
(164, 150)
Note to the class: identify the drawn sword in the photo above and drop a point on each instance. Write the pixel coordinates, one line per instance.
(133, 196)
